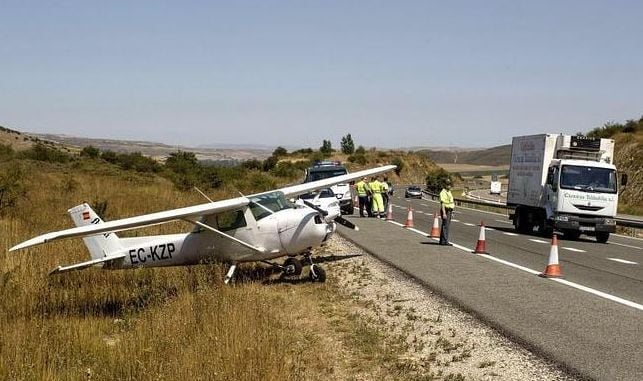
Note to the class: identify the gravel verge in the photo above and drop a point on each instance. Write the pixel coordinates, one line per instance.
(433, 338)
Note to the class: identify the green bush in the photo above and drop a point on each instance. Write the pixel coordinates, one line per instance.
(41, 152)
(6, 152)
(437, 179)
(12, 187)
(397, 161)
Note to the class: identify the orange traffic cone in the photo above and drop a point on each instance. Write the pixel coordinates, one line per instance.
(553, 268)
(481, 246)
(409, 219)
(389, 212)
(435, 229)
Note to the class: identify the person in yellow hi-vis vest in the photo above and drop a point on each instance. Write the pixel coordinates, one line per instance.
(378, 202)
(363, 191)
(446, 212)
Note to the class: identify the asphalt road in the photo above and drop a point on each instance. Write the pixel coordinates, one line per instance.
(590, 322)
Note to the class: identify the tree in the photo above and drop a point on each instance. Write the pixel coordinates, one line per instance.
(90, 152)
(280, 151)
(360, 150)
(326, 149)
(348, 147)
(437, 179)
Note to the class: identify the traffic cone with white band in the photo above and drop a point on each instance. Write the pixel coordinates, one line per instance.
(553, 268)
(481, 245)
(435, 229)
(389, 212)
(409, 219)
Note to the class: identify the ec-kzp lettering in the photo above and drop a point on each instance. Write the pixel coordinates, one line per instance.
(153, 253)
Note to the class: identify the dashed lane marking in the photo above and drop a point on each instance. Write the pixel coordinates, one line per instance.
(469, 224)
(574, 249)
(511, 234)
(624, 245)
(454, 220)
(528, 270)
(504, 222)
(537, 240)
(623, 261)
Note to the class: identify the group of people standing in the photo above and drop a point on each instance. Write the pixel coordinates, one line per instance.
(373, 196)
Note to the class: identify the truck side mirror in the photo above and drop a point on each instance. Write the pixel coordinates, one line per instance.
(623, 179)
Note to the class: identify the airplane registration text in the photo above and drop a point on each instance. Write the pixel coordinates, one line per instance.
(153, 253)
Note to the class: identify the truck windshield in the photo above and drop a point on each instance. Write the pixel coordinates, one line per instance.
(588, 179)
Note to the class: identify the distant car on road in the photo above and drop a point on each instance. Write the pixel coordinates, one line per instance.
(413, 192)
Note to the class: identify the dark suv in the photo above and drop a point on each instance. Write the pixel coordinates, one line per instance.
(327, 169)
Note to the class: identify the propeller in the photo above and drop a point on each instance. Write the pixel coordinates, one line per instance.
(339, 219)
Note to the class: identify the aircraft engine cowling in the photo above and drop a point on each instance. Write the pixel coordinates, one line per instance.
(302, 229)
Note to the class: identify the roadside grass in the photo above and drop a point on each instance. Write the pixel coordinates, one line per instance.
(148, 324)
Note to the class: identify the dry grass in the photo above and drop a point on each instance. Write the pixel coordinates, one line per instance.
(171, 323)
(164, 323)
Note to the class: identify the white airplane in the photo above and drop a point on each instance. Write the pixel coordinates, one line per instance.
(259, 227)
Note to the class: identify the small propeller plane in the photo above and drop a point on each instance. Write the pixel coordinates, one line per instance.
(255, 228)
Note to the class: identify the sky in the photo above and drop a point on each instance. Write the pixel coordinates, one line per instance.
(294, 73)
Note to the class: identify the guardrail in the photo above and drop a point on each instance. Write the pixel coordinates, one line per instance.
(626, 222)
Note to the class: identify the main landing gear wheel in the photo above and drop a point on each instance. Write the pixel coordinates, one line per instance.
(317, 274)
(292, 266)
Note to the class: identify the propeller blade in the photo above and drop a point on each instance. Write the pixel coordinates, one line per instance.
(317, 208)
(342, 221)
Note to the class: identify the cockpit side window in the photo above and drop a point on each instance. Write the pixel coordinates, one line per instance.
(230, 220)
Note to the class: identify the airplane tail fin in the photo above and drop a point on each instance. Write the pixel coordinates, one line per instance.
(100, 245)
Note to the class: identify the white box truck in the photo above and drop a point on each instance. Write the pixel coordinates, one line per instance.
(563, 183)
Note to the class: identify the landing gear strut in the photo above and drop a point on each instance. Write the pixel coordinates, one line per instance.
(230, 273)
(317, 273)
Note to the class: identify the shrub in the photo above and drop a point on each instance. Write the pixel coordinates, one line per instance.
(399, 163)
(12, 188)
(90, 152)
(6, 152)
(41, 152)
(437, 179)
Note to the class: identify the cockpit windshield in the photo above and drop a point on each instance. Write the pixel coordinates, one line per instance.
(588, 179)
(265, 204)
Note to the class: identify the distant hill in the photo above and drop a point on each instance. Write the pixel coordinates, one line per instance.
(493, 156)
(157, 150)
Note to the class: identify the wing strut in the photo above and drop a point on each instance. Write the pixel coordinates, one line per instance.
(249, 246)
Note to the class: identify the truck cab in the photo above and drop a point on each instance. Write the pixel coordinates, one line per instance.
(581, 198)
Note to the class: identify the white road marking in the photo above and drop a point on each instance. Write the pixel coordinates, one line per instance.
(454, 220)
(537, 240)
(468, 224)
(623, 261)
(489, 229)
(624, 245)
(511, 234)
(526, 269)
(574, 249)
(504, 222)
(600, 293)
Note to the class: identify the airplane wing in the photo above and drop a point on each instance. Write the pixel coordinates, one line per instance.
(83, 265)
(296, 190)
(137, 221)
(190, 212)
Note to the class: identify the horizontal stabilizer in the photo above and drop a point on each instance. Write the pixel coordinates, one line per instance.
(84, 265)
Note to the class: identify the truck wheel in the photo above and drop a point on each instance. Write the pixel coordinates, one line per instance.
(520, 223)
(602, 237)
